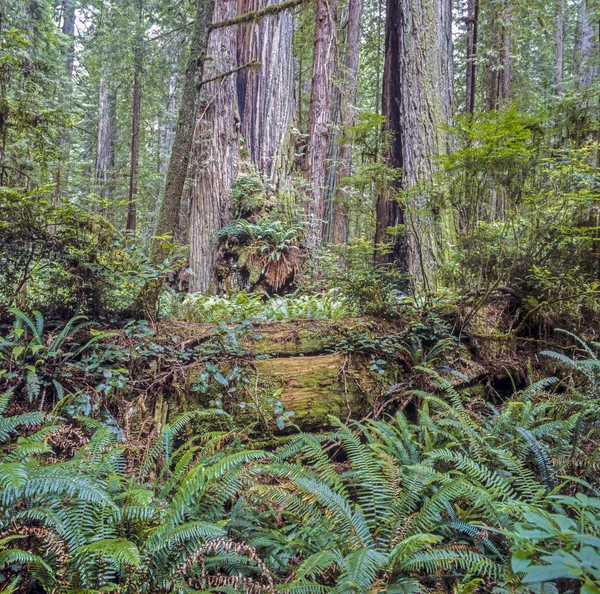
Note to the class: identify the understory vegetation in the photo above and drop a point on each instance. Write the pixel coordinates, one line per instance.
(299, 296)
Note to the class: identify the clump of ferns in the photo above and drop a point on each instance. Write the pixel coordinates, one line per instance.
(391, 516)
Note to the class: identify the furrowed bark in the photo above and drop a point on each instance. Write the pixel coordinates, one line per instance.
(168, 216)
(216, 151)
(266, 94)
(320, 116)
(472, 30)
(420, 96)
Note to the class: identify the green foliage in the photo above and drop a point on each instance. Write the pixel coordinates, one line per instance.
(254, 306)
(566, 541)
(38, 360)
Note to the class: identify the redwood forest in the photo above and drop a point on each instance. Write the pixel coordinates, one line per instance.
(300, 296)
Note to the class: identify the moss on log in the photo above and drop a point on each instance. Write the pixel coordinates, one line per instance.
(315, 387)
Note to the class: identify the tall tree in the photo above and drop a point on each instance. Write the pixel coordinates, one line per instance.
(389, 212)
(216, 150)
(472, 32)
(559, 46)
(266, 93)
(105, 139)
(418, 103)
(320, 116)
(587, 43)
(68, 30)
(499, 71)
(168, 215)
(337, 221)
(135, 119)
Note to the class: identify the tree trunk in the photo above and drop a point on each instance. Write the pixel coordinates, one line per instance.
(499, 74)
(389, 212)
(472, 26)
(105, 142)
(320, 116)
(559, 47)
(68, 30)
(349, 112)
(587, 45)
(418, 100)
(216, 151)
(167, 126)
(135, 141)
(168, 215)
(266, 94)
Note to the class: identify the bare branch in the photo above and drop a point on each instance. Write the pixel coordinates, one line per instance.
(252, 64)
(255, 15)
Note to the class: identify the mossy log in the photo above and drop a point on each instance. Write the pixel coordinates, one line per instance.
(315, 387)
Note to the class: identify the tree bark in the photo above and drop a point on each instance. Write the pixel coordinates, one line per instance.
(135, 141)
(68, 30)
(168, 215)
(389, 212)
(499, 74)
(587, 45)
(559, 47)
(266, 94)
(418, 100)
(135, 137)
(167, 126)
(105, 140)
(349, 113)
(216, 151)
(320, 116)
(472, 30)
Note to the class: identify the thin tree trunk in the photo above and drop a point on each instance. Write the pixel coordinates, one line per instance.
(105, 141)
(168, 215)
(216, 151)
(266, 94)
(320, 116)
(135, 139)
(68, 30)
(499, 72)
(559, 47)
(507, 65)
(472, 30)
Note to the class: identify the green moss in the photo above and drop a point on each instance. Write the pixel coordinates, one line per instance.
(314, 388)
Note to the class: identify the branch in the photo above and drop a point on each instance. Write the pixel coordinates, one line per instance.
(255, 15)
(252, 64)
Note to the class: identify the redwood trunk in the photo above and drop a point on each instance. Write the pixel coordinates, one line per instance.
(266, 94)
(472, 30)
(418, 99)
(389, 212)
(216, 151)
(319, 118)
(559, 46)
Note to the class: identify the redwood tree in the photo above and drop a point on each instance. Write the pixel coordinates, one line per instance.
(216, 150)
(266, 94)
(418, 102)
(320, 116)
